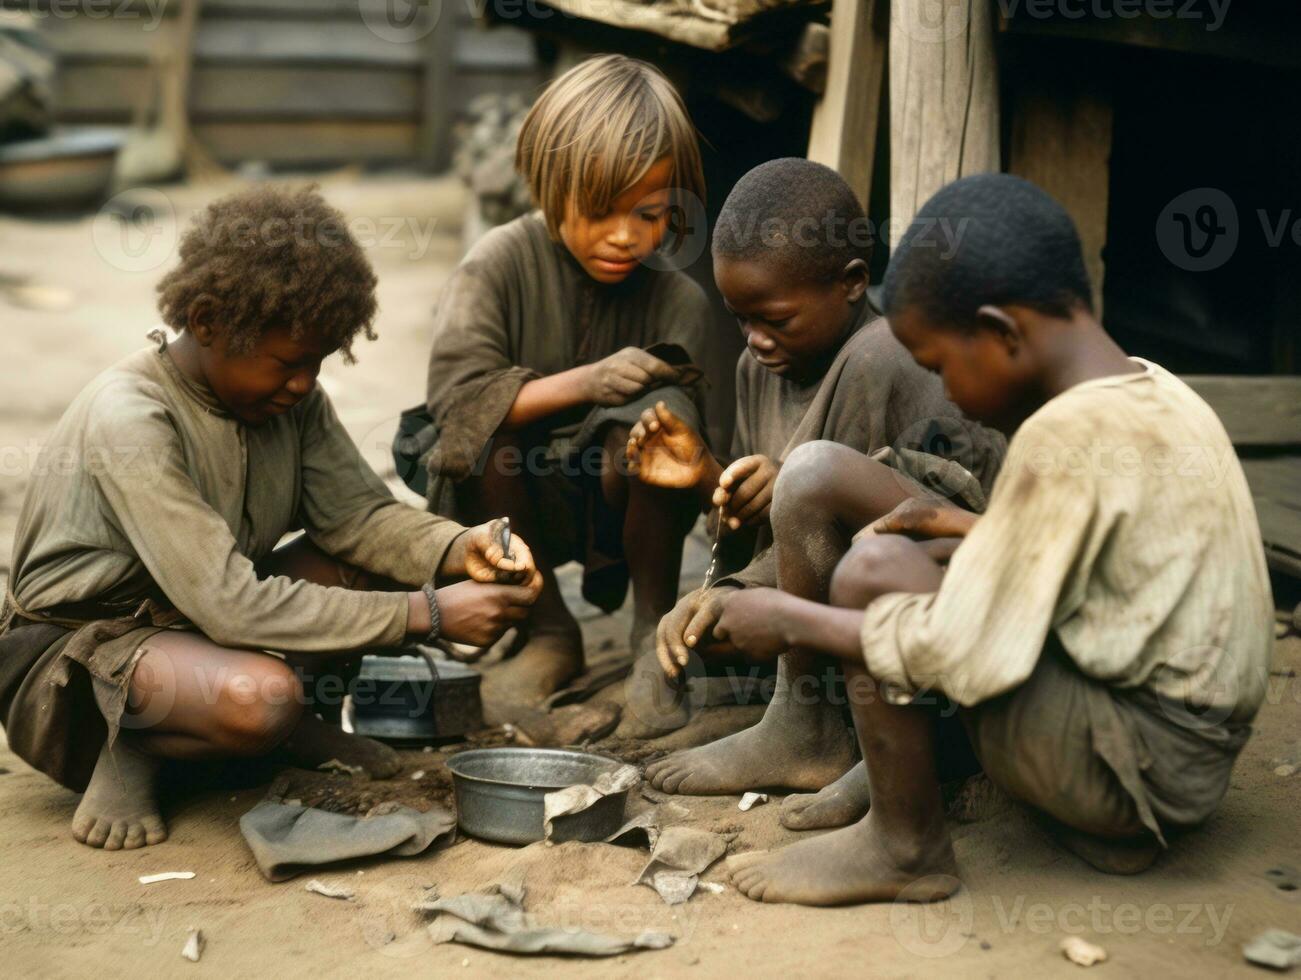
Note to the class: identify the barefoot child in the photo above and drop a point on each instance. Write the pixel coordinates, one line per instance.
(146, 579)
(791, 248)
(1106, 624)
(539, 366)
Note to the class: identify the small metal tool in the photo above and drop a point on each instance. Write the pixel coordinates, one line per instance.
(711, 575)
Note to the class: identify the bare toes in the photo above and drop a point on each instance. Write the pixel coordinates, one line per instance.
(116, 835)
(98, 833)
(739, 862)
(155, 829)
(135, 837)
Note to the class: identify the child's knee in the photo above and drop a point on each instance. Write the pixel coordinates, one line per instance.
(868, 570)
(802, 482)
(258, 709)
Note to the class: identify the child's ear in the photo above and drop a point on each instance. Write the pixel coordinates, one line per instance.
(1003, 324)
(855, 280)
(199, 322)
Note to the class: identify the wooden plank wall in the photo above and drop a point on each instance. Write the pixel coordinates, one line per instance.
(293, 82)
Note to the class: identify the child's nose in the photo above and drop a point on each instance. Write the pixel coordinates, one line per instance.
(621, 234)
(301, 384)
(758, 340)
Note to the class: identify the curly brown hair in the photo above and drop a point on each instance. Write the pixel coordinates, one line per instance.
(273, 257)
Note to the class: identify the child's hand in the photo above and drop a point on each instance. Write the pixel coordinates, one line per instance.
(745, 491)
(478, 614)
(484, 560)
(922, 517)
(666, 452)
(625, 374)
(751, 621)
(689, 626)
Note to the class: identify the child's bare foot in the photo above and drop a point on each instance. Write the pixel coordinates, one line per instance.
(841, 803)
(118, 810)
(547, 662)
(1114, 857)
(653, 706)
(855, 864)
(314, 742)
(794, 746)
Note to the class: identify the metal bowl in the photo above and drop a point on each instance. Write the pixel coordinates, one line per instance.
(499, 794)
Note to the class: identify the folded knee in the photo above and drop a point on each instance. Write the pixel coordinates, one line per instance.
(868, 570)
(258, 709)
(802, 482)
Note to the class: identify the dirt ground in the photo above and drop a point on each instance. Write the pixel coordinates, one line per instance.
(66, 909)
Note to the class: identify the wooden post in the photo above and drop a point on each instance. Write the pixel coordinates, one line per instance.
(943, 99)
(1061, 140)
(845, 120)
(440, 63)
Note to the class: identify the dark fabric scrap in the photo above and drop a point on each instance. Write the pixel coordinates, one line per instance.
(287, 839)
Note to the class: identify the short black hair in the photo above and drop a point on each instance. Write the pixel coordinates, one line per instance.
(797, 212)
(273, 256)
(988, 239)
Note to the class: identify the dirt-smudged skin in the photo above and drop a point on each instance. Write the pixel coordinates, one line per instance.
(842, 802)
(119, 810)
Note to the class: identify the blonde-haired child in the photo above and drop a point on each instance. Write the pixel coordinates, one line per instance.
(540, 363)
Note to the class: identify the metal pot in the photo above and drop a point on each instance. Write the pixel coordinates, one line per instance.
(499, 794)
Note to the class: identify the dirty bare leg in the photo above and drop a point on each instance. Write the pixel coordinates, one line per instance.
(835, 805)
(188, 699)
(826, 492)
(655, 524)
(901, 849)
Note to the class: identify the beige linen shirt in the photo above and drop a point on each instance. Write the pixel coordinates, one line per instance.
(1122, 520)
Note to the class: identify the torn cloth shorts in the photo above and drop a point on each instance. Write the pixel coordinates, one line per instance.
(63, 691)
(1104, 760)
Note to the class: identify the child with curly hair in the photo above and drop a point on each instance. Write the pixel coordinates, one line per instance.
(147, 582)
(549, 341)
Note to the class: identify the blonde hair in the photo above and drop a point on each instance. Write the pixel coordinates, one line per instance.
(595, 132)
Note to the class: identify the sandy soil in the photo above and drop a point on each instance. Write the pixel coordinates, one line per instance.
(65, 909)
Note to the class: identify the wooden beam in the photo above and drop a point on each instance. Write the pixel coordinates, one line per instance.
(1276, 491)
(1256, 411)
(847, 117)
(1061, 140)
(309, 143)
(1260, 34)
(438, 102)
(943, 99)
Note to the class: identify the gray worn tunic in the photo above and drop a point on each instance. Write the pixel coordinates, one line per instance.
(149, 508)
(873, 398)
(520, 307)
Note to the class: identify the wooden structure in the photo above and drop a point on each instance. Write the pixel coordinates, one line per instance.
(1263, 418)
(288, 82)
